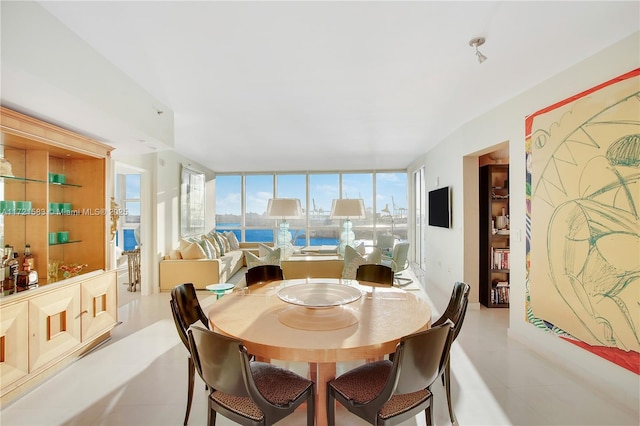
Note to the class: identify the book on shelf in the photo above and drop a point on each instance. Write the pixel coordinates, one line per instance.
(500, 295)
(499, 258)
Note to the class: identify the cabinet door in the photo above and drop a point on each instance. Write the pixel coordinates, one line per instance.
(99, 305)
(14, 343)
(54, 325)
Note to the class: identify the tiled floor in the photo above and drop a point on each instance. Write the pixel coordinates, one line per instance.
(140, 377)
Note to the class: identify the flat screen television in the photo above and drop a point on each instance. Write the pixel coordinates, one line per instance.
(440, 207)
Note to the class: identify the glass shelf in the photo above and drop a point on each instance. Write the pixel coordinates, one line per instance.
(22, 179)
(68, 242)
(27, 180)
(70, 185)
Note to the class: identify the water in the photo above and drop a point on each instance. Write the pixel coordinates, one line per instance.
(266, 235)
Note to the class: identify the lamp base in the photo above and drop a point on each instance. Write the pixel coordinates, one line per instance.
(283, 241)
(347, 237)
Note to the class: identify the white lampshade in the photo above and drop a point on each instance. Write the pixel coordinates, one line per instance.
(284, 208)
(348, 209)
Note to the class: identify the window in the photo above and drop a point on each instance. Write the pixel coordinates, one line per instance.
(128, 198)
(241, 203)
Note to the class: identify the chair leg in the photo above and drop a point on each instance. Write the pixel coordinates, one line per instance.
(427, 416)
(331, 408)
(192, 375)
(211, 415)
(447, 384)
(311, 409)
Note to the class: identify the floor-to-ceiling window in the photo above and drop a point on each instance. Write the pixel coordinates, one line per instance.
(242, 199)
(127, 193)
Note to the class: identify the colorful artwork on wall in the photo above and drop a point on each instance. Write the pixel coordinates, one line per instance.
(583, 227)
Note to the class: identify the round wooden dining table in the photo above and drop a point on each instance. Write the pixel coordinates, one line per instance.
(363, 329)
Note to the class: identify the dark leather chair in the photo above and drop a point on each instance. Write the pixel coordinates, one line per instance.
(390, 392)
(186, 311)
(247, 392)
(263, 274)
(454, 313)
(380, 274)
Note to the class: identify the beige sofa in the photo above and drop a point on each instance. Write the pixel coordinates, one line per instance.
(202, 272)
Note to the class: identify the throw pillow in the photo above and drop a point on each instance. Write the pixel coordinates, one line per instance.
(361, 249)
(193, 251)
(216, 236)
(225, 241)
(207, 247)
(233, 240)
(212, 248)
(264, 249)
(214, 244)
(353, 259)
(272, 258)
(175, 255)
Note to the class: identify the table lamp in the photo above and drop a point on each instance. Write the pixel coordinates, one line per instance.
(284, 208)
(347, 209)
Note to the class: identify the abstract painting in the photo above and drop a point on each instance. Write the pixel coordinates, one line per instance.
(583, 227)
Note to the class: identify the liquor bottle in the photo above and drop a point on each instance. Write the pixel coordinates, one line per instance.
(4, 271)
(28, 263)
(14, 267)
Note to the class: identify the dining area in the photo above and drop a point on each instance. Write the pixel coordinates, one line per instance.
(386, 330)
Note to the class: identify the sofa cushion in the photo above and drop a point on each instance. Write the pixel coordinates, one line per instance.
(214, 244)
(353, 259)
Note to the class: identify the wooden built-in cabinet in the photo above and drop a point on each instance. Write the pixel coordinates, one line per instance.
(45, 327)
(494, 236)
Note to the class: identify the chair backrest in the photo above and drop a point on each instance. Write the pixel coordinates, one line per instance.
(421, 358)
(380, 274)
(186, 310)
(218, 360)
(263, 274)
(457, 307)
(400, 255)
(385, 244)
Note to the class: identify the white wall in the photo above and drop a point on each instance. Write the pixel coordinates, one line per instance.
(447, 165)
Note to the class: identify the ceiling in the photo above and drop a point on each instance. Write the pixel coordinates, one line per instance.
(333, 85)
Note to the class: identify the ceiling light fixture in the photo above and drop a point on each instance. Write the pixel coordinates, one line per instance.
(475, 42)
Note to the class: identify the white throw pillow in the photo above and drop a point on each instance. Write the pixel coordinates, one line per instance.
(272, 258)
(353, 259)
(233, 240)
(264, 249)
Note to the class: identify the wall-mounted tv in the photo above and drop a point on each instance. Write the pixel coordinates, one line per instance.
(440, 207)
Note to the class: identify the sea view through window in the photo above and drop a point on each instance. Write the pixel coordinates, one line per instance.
(242, 199)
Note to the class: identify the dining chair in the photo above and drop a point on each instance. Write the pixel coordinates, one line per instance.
(390, 392)
(186, 311)
(374, 273)
(263, 274)
(247, 392)
(454, 313)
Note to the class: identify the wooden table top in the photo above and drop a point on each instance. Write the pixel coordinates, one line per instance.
(382, 316)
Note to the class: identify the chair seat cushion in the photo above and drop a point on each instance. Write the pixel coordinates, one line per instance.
(364, 383)
(242, 405)
(277, 385)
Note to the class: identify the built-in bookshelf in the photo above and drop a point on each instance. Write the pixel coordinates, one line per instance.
(494, 236)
